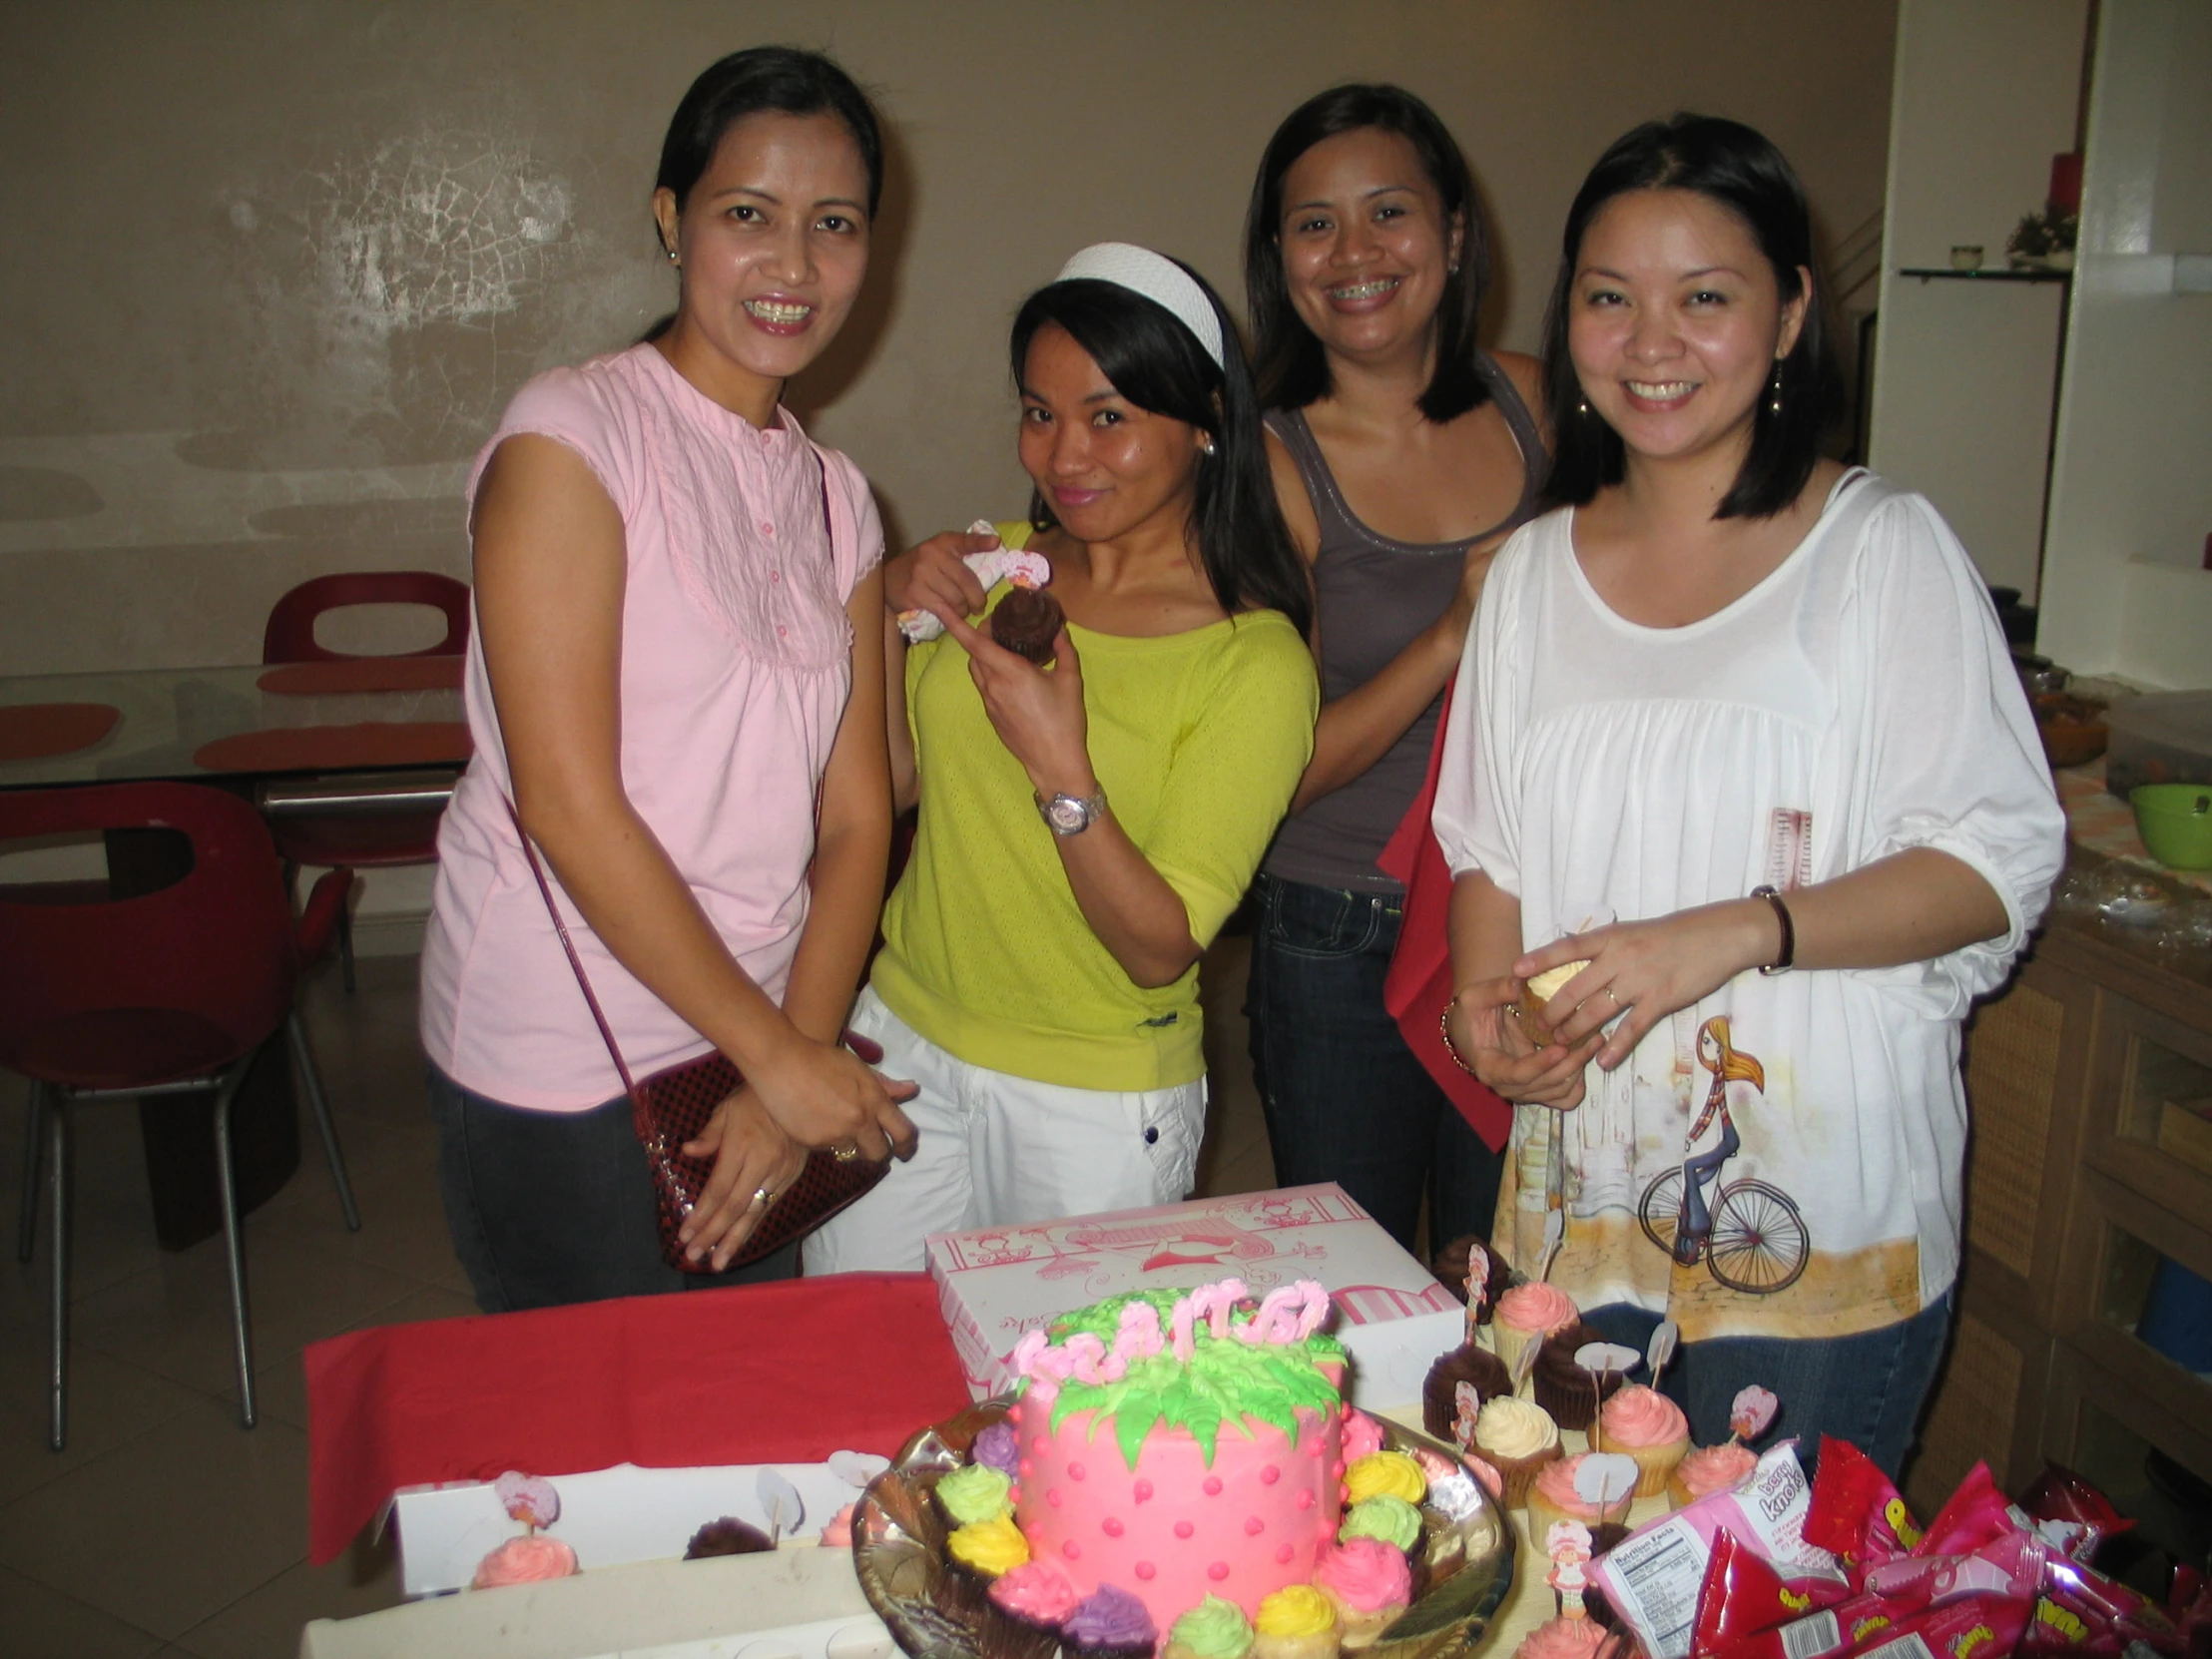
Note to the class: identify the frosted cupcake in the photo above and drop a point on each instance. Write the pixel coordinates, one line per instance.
(1109, 1623)
(530, 1560)
(1296, 1622)
(1563, 1639)
(1036, 1595)
(1369, 1584)
(1561, 1386)
(1214, 1629)
(1528, 1313)
(1517, 1437)
(1479, 1367)
(1552, 1497)
(1648, 1426)
(975, 1493)
(1713, 1468)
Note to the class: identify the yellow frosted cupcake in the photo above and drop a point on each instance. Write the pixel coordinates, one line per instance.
(1296, 1622)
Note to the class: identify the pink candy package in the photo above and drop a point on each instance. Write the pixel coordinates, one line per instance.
(1651, 1580)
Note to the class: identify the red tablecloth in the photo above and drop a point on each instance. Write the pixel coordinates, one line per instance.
(761, 1373)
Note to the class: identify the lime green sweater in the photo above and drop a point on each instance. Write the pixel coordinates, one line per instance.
(1198, 739)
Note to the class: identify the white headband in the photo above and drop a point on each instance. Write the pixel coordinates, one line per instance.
(1160, 280)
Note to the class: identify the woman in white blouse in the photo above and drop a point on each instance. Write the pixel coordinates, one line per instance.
(1752, 713)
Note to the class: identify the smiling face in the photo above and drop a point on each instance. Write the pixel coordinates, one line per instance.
(1104, 466)
(774, 242)
(1675, 324)
(1365, 243)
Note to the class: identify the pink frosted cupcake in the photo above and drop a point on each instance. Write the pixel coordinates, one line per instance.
(1368, 1583)
(530, 1560)
(1552, 1497)
(1713, 1468)
(1528, 1313)
(1564, 1639)
(1648, 1426)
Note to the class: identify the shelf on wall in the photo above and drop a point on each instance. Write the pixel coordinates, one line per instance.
(1988, 274)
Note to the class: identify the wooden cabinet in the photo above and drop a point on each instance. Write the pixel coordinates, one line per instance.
(2086, 1165)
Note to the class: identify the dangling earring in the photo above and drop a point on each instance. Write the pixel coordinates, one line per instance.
(1774, 391)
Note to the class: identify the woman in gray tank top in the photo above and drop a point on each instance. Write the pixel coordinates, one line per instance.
(1403, 455)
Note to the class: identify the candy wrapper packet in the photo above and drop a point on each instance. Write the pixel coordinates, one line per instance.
(1653, 1577)
(991, 567)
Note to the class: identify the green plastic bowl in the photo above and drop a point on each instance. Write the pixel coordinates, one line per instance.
(2177, 822)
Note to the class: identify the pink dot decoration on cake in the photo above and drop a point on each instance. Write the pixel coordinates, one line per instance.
(1180, 1458)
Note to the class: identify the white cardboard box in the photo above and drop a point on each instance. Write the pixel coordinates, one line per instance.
(609, 1518)
(798, 1603)
(1390, 1313)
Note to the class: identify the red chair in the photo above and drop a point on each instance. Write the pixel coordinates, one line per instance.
(289, 636)
(361, 841)
(170, 992)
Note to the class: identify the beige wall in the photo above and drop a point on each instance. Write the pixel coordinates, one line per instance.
(274, 267)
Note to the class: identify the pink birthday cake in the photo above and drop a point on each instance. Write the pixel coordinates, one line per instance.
(1182, 1447)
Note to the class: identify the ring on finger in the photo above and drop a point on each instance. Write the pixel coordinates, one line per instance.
(844, 1154)
(763, 1197)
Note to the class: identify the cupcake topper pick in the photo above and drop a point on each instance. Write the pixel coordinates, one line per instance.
(1602, 1359)
(1468, 1405)
(1603, 1478)
(1752, 1412)
(1478, 1285)
(780, 1502)
(528, 1498)
(1663, 1342)
(1525, 1361)
(1555, 1194)
(1568, 1542)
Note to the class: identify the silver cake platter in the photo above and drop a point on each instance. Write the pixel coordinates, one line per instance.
(937, 1612)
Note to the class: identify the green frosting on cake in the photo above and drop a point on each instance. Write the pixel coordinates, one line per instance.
(1226, 1381)
(1214, 1629)
(1391, 1520)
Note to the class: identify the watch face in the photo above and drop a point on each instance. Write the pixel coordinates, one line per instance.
(1066, 814)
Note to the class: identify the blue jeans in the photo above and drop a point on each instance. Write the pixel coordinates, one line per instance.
(1868, 1389)
(548, 1208)
(1346, 1099)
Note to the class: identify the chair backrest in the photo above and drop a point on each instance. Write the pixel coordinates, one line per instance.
(289, 636)
(218, 943)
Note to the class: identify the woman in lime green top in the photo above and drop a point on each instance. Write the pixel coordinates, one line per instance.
(1087, 826)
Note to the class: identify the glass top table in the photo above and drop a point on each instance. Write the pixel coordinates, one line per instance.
(210, 722)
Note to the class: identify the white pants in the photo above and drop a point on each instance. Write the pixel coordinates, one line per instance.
(999, 1150)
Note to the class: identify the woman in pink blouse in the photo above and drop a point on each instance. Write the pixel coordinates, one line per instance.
(675, 679)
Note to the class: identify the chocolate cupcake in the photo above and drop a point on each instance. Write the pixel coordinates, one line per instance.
(1451, 1268)
(727, 1536)
(1440, 1396)
(1571, 1394)
(1026, 623)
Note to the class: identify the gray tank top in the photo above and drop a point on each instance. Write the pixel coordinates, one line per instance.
(1372, 595)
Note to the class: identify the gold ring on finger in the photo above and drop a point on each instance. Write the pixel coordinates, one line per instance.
(844, 1154)
(763, 1197)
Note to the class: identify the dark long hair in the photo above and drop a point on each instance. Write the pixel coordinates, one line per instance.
(1288, 361)
(764, 79)
(1736, 167)
(1159, 365)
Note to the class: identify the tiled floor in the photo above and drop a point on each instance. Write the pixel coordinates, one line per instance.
(166, 1529)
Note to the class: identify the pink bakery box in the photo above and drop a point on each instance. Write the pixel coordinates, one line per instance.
(1391, 1314)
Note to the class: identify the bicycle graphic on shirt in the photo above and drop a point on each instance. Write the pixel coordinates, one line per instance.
(1749, 1233)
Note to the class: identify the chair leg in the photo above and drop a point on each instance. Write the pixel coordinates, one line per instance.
(345, 943)
(58, 1119)
(329, 1130)
(234, 1243)
(34, 1150)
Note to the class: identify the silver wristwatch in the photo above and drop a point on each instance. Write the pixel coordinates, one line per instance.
(1070, 815)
